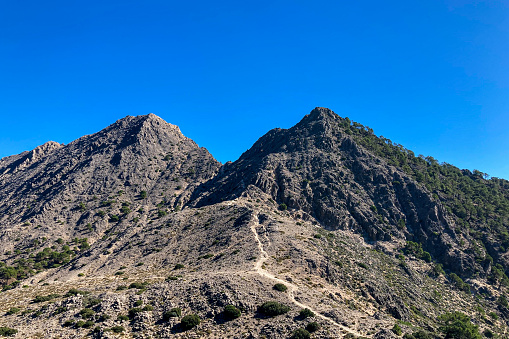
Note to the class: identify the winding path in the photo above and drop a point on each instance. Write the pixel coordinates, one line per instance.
(291, 287)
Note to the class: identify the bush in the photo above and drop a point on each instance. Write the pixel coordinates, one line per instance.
(306, 312)
(313, 327)
(87, 313)
(148, 308)
(280, 287)
(13, 310)
(300, 333)
(273, 308)
(397, 329)
(69, 323)
(114, 218)
(143, 194)
(117, 329)
(283, 207)
(178, 266)
(457, 325)
(43, 298)
(7, 332)
(231, 312)
(137, 285)
(190, 321)
(173, 313)
(122, 317)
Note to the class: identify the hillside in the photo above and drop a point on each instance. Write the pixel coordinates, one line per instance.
(110, 234)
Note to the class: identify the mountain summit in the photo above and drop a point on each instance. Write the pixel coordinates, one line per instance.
(321, 228)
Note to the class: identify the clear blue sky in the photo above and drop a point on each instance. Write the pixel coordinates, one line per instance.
(432, 75)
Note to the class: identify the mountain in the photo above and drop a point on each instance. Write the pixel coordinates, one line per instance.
(137, 231)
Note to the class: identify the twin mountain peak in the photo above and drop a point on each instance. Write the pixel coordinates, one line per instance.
(332, 208)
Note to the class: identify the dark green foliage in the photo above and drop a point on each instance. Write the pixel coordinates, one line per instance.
(87, 313)
(317, 236)
(397, 329)
(7, 332)
(13, 310)
(457, 325)
(178, 266)
(415, 249)
(190, 321)
(300, 333)
(122, 317)
(89, 302)
(114, 218)
(305, 313)
(313, 327)
(280, 287)
(143, 194)
(125, 210)
(363, 265)
(231, 312)
(459, 283)
(283, 207)
(121, 287)
(173, 313)
(88, 324)
(273, 308)
(69, 323)
(161, 213)
(138, 303)
(79, 324)
(117, 329)
(502, 301)
(137, 285)
(147, 308)
(40, 298)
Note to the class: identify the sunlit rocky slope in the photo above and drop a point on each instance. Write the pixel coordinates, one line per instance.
(135, 231)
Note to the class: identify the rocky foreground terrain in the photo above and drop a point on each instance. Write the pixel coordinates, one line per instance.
(323, 230)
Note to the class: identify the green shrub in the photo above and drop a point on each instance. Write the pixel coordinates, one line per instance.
(280, 287)
(79, 323)
(459, 283)
(273, 308)
(190, 321)
(300, 333)
(173, 313)
(148, 308)
(317, 236)
(13, 310)
(122, 317)
(143, 194)
(137, 285)
(121, 287)
(283, 207)
(178, 266)
(457, 325)
(69, 322)
(231, 312)
(87, 313)
(117, 329)
(88, 324)
(7, 332)
(138, 303)
(313, 327)
(305, 313)
(114, 218)
(397, 329)
(41, 298)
